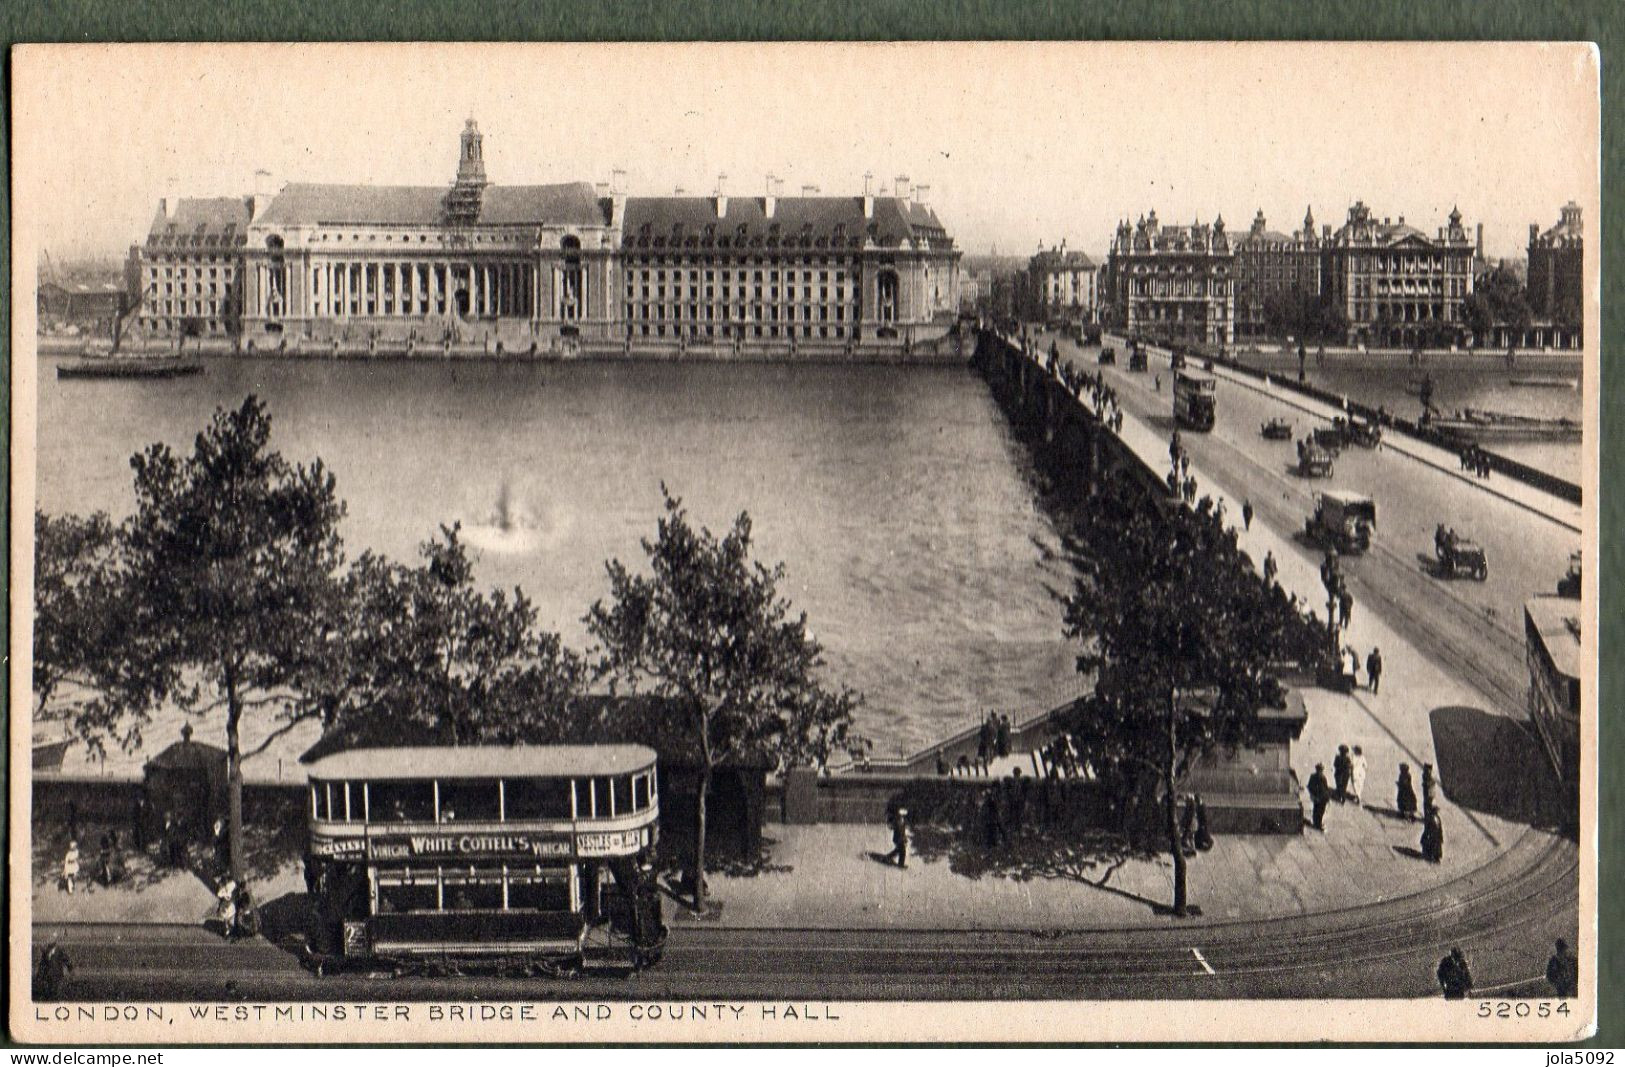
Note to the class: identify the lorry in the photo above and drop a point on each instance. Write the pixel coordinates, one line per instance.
(1342, 520)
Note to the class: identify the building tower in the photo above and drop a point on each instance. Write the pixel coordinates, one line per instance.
(467, 193)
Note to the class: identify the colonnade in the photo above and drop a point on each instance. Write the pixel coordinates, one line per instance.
(373, 288)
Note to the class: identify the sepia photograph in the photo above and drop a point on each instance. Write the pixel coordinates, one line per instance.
(804, 542)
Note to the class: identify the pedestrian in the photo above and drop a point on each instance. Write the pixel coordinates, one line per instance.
(1433, 837)
(1454, 977)
(1185, 463)
(1158, 382)
(1204, 838)
(1319, 794)
(70, 866)
(1342, 771)
(942, 764)
(1357, 774)
(1354, 665)
(104, 861)
(1017, 806)
(73, 819)
(225, 908)
(1247, 513)
(1563, 972)
(1428, 789)
(1271, 568)
(992, 820)
(964, 770)
(1187, 827)
(1345, 608)
(1373, 668)
(1190, 490)
(246, 917)
(1405, 793)
(1002, 736)
(899, 838)
(984, 744)
(138, 822)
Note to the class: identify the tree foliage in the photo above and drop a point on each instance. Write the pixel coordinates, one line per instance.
(1498, 299)
(707, 630)
(76, 573)
(229, 587)
(421, 649)
(1179, 634)
(1297, 313)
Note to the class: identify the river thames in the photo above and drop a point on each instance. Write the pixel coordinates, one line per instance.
(896, 497)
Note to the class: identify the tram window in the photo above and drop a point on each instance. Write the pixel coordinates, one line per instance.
(474, 801)
(600, 798)
(640, 792)
(481, 892)
(537, 798)
(623, 794)
(550, 892)
(403, 898)
(402, 801)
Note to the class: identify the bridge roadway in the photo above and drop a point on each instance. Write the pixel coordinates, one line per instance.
(1503, 914)
(1474, 629)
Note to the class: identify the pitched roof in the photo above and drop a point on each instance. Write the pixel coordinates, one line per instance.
(810, 221)
(572, 203)
(201, 218)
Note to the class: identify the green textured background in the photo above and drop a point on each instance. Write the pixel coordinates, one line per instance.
(687, 20)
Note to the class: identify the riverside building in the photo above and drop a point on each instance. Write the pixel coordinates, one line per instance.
(1274, 267)
(1173, 283)
(517, 268)
(1557, 267)
(1397, 285)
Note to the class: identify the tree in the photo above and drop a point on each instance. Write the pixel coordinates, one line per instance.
(229, 586)
(1498, 299)
(421, 649)
(708, 631)
(75, 574)
(1179, 633)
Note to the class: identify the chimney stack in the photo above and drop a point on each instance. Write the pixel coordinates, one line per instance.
(868, 197)
(809, 190)
(600, 189)
(902, 186)
(1480, 243)
(770, 202)
(722, 196)
(171, 202)
(921, 195)
(617, 182)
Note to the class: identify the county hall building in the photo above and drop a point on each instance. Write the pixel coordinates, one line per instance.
(516, 268)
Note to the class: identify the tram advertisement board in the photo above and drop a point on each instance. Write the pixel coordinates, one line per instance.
(472, 845)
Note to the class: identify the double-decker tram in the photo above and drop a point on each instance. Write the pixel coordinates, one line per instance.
(1194, 399)
(534, 858)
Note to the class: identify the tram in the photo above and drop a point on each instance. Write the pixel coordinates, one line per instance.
(1194, 395)
(1552, 651)
(528, 857)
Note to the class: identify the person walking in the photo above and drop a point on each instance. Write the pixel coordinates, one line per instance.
(1373, 668)
(1357, 773)
(70, 866)
(1187, 827)
(1345, 609)
(992, 820)
(1002, 736)
(1319, 794)
(1429, 790)
(1455, 979)
(1204, 838)
(1563, 972)
(984, 744)
(1247, 513)
(899, 838)
(1342, 771)
(1405, 794)
(1433, 837)
(1271, 568)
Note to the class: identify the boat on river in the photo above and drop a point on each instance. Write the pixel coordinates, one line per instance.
(129, 367)
(1545, 382)
(1478, 424)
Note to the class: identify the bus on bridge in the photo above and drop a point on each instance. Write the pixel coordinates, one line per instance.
(529, 857)
(1194, 398)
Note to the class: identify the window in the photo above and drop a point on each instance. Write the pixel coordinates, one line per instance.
(472, 801)
(538, 798)
(544, 891)
(402, 892)
(402, 801)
